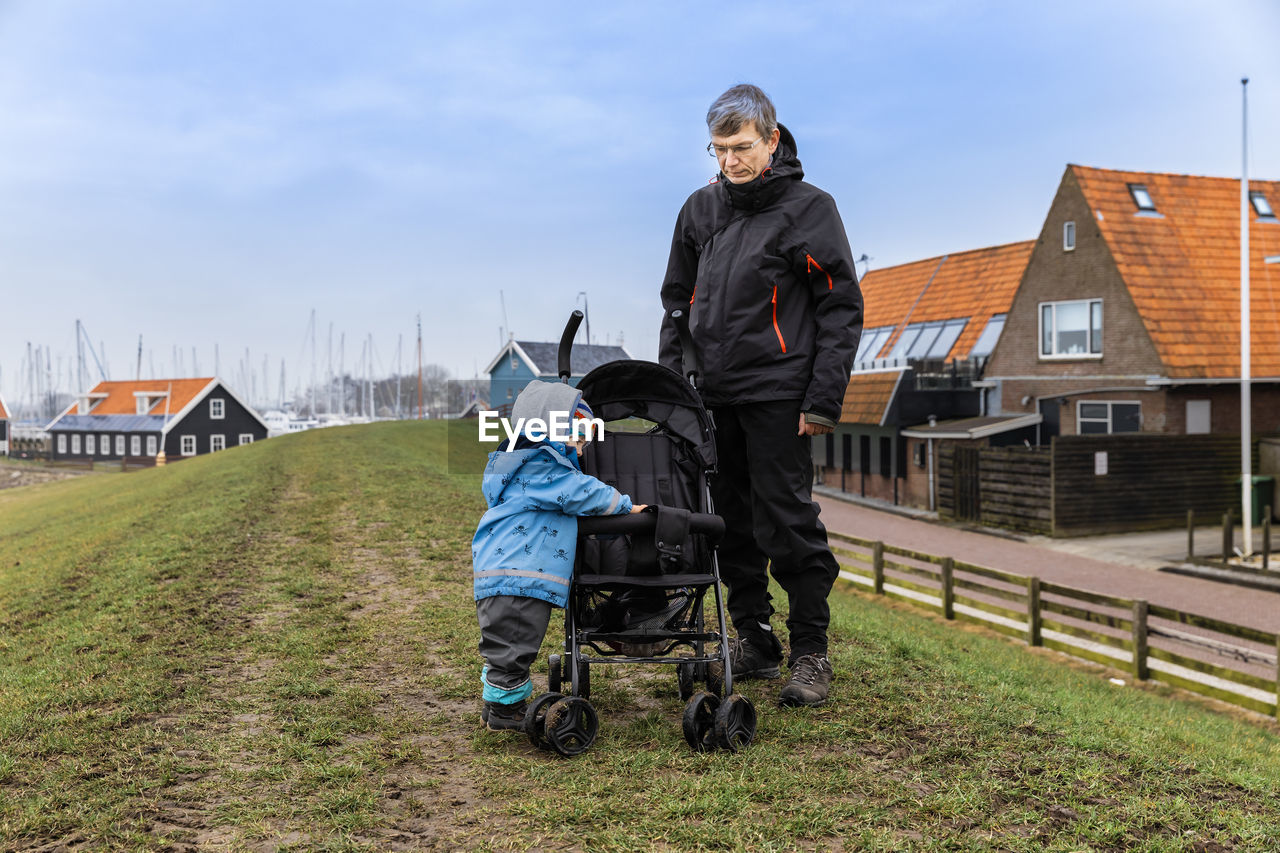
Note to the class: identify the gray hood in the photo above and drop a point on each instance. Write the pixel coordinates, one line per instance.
(539, 399)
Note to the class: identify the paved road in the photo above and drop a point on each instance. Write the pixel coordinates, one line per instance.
(1240, 605)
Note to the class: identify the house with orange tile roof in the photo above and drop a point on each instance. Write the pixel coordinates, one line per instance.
(929, 327)
(139, 419)
(1128, 315)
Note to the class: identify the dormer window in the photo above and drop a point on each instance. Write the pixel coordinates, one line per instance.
(1261, 206)
(145, 401)
(1141, 197)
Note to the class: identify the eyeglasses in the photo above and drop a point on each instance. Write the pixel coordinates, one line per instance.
(722, 151)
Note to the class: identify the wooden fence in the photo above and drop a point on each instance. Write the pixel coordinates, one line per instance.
(1090, 484)
(1229, 662)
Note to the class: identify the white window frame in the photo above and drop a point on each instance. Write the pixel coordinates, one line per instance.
(62, 443)
(217, 442)
(120, 446)
(1140, 191)
(153, 448)
(1053, 337)
(1110, 419)
(75, 444)
(246, 438)
(90, 444)
(1069, 236)
(135, 445)
(188, 445)
(217, 409)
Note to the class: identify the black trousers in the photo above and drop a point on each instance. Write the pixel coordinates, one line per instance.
(763, 489)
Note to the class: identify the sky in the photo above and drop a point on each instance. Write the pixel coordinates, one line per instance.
(204, 175)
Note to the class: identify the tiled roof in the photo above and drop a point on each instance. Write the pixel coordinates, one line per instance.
(582, 360)
(1183, 267)
(120, 398)
(867, 399)
(976, 284)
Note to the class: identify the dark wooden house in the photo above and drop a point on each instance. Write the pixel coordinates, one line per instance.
(182, 417)
(4, 428)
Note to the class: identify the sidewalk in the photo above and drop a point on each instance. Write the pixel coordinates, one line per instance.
(1124, 565)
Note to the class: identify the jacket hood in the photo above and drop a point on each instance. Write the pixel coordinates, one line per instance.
(769, 184)
(543, 399)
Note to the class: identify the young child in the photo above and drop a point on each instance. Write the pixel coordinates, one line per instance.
(522, 554)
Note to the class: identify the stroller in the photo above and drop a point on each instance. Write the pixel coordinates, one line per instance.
(640, 580)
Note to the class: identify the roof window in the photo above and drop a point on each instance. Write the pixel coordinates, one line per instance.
(1141, 197)
(1260, 205)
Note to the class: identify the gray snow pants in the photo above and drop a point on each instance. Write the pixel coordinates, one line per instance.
(511, 632)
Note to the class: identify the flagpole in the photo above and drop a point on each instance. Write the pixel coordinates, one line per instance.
(1246, 418)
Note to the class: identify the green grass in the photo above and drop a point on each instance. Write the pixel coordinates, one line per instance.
(276, 645)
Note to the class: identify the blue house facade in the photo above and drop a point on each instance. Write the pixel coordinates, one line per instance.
(520, 362)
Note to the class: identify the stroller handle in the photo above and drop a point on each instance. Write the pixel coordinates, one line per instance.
(566, 345)
(688, 358)
(711, 526)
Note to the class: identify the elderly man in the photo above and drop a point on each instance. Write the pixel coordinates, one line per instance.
(761, 263)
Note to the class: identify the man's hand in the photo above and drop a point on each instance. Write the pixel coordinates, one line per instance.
(812, 429)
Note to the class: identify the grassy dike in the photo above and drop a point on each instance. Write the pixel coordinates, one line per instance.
(274, 648)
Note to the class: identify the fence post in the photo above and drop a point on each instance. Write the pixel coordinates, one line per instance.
(1266, 538)
(1140, 671)
(1191, 535)
(877, 566)
(948, 588)
(1033, 612)
(1226, 536)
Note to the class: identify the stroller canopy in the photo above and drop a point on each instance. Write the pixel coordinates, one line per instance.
(643, 389)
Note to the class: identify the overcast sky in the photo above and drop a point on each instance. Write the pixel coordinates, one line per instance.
(208, 173)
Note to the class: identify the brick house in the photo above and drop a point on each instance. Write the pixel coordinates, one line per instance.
(1127, 317)
(182, 417)
(929, 327)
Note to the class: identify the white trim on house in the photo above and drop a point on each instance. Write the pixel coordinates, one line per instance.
(217, 408)
(510, 345)
(1069, 236)
(217, 441)
(956, 429)
(187, 445)
(246, 438)
(195, 401)
(135, 445)
(1110, 419)
(1069, 356)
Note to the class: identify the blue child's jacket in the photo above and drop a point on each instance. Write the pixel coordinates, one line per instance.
(526, 540)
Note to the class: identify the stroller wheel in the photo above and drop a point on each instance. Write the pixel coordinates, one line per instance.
(572, 725)
(535, 719)
(735, 723)
(699, 721)
(685, 676)
(553, 673)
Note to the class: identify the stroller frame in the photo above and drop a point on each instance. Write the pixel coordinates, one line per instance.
(568, 723)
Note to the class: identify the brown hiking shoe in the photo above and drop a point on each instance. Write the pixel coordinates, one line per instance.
(809, 682)
(755, 656)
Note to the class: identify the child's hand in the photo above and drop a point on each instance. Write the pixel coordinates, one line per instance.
(638, 508)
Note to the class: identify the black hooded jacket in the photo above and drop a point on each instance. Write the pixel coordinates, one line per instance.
(765, 271)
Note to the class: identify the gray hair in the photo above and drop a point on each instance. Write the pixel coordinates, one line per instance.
(742, 104)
